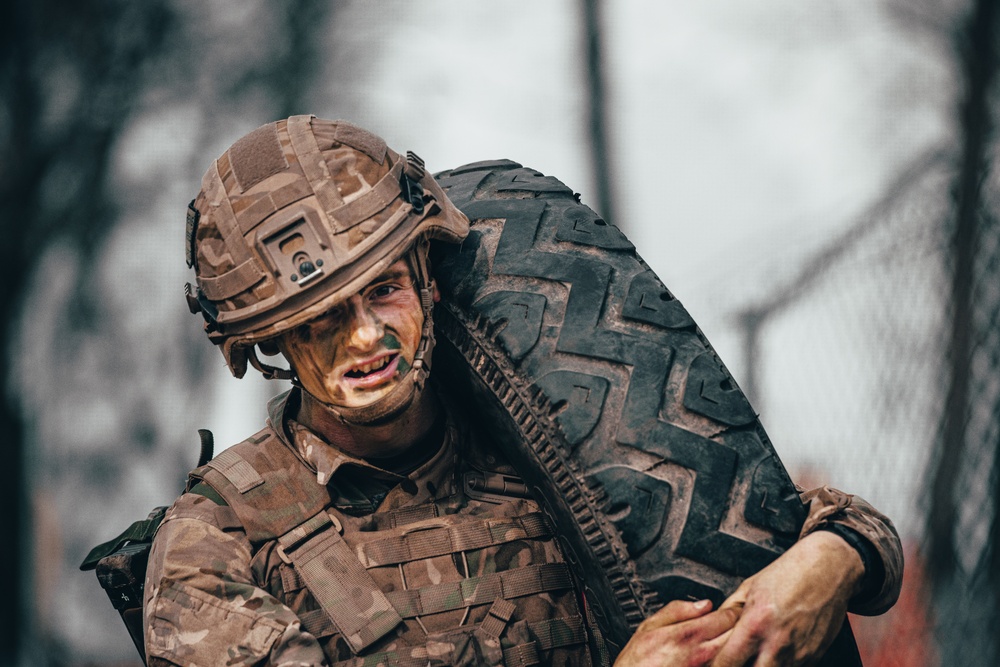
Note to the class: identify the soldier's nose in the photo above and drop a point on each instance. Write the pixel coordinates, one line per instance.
(366, 330)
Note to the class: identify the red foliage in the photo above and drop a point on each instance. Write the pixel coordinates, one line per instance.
(903, 636)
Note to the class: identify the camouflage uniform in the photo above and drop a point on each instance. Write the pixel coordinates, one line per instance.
(212, 592)
(880, 548)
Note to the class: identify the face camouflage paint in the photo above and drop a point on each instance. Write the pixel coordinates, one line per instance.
(357, 352)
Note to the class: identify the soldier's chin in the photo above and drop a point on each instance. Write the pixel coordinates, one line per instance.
(362, 398)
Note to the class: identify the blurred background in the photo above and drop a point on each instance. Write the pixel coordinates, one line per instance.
(815, 181)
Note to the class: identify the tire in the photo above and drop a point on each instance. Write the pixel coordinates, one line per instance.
(607, 398)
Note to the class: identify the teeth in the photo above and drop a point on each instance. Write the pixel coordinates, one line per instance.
(374, 366)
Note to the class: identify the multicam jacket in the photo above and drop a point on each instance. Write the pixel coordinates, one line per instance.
(458, 577)
(421, 569)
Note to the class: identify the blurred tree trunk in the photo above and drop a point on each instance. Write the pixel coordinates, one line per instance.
(290, 74)
(75, 74)
(597, 112)
(72, 72)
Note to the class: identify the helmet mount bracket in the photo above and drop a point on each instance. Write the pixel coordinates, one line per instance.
(295, 248)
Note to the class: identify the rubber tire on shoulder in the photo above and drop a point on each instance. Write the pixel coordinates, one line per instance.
(609, 401)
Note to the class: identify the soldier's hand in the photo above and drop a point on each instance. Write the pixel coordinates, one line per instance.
(682, 634)
(793, 608)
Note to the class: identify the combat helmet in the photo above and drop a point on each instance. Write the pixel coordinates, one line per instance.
(297, 216)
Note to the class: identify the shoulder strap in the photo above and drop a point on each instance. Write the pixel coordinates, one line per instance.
(278, 498)
(342, 586)
(267, 485)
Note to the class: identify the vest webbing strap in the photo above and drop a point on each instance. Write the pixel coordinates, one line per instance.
(522, 655)
(444, 540)
(598, 648)
(344, 590)
(411, 656)
(497, 619)
(411, 514)
(481, 590)
(552, 633)
(460, 594)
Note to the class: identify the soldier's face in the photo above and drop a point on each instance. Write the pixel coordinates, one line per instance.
(357, 352)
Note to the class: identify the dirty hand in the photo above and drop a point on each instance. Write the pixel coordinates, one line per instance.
(794, 607)
(682, 634)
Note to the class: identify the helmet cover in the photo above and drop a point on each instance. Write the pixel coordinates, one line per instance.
(295, 217)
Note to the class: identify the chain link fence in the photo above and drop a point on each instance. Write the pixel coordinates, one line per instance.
(850, 364)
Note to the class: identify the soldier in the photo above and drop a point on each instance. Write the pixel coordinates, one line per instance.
(343, 532)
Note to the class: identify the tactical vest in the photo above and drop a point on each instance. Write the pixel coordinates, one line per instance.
(472, 578)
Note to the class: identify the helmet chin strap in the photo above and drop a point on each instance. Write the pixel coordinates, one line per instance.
(412, 383)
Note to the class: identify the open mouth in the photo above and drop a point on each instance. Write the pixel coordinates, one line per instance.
(375, 369)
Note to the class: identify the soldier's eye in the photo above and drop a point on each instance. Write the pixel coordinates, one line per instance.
(323, 324)
(383, 291)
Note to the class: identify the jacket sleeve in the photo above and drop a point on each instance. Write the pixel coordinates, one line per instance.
(871, 533)
(201, 604)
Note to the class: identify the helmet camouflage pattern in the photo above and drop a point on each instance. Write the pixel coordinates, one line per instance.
(297, 216)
